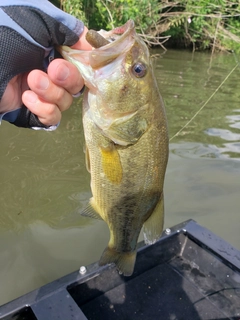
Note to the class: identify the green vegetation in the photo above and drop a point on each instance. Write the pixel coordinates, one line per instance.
(202, 24)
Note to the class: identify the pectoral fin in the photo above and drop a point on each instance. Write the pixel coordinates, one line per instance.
(111, 164)
(153, 226)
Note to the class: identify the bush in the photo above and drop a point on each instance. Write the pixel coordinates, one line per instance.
(74, 7)
(203, 24)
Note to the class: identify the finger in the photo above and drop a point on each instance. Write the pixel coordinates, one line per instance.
(47, 91)
(64, 74)
(48, 113)
(12, 97)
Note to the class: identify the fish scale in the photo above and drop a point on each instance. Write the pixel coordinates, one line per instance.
(126, 137)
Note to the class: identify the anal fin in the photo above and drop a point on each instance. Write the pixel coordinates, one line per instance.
(153, 226)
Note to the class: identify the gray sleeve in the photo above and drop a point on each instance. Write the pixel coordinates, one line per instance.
(45, 6)
(29, 31)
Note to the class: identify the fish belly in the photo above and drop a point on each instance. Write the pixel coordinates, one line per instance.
(127, 184)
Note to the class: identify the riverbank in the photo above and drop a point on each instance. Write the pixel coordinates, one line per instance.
(199, 25)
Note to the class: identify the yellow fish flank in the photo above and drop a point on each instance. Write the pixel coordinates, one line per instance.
(125, 130)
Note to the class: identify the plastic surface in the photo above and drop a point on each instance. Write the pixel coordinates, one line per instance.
(190, 273)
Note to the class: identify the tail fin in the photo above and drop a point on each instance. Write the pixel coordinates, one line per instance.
(124, 261)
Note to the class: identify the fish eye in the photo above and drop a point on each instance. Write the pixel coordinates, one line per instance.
(139, 69)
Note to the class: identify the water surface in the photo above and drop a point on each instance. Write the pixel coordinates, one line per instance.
(44, 183)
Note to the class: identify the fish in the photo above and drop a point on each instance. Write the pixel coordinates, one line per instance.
(126, 137)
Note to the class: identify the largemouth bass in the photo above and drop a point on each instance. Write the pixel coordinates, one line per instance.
(126, 137)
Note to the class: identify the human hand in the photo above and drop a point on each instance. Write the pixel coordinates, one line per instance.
(51, 93)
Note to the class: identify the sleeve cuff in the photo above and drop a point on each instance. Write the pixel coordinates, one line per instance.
(11, 116)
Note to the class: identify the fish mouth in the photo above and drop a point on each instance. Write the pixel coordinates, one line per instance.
(119, 33)
(119, 41)
(101, 38)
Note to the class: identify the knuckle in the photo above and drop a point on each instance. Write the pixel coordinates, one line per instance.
(59, 95)
(51, 115)
(49, 110)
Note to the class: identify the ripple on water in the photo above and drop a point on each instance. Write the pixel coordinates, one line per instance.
(196, 150)
(223, 134)
(234, 120)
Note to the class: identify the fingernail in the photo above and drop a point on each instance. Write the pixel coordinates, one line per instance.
(62, 72)
(43, 83)
(31, 97)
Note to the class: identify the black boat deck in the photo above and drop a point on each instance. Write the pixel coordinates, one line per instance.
(189, 274)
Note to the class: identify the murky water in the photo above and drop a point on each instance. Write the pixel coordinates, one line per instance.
(44, 183)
